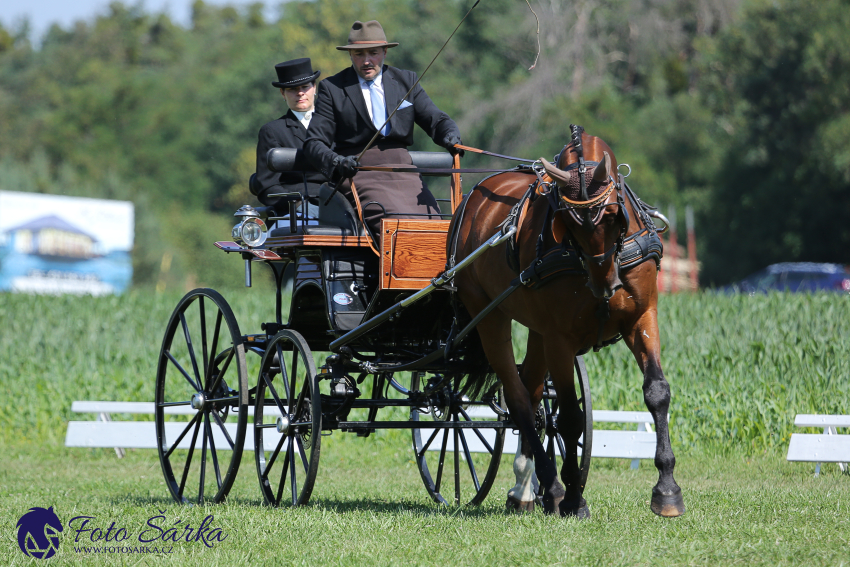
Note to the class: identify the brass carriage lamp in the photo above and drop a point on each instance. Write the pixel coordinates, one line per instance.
(251, 229)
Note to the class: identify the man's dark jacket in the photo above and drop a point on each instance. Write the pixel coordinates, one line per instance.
(285, 132)
(341, 116)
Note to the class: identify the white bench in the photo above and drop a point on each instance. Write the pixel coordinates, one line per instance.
(142, 434)
(634, 445)
(826, 447)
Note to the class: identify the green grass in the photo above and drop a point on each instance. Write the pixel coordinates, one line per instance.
(739, 367)
(369, 507)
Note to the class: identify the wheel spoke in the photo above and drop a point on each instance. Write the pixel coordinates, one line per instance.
(480, 436)
(442, 461)
(223, 370)
(274, 455)
(214, 346)
(205, 359)
(283, 375)
(277, 401)
(283, 471)
(469, 461)
(300, 402)
(223, 429)
(203, 468)
(213, 452)
(457, 464)
(293, 485)
(189, 458)
(191, 348)
(182, 435)
(294, 373)
(183, 372)
(302, 453)
(428, 443)
(561, 448)
(550, 448)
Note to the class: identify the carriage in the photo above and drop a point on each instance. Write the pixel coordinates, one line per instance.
(374, 339)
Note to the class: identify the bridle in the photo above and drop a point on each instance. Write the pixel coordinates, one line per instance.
(588, 211)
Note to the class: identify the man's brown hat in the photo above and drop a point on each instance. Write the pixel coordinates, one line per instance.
(365, 35)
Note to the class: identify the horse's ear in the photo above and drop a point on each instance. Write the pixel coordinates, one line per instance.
(603, 170)
(561, 177)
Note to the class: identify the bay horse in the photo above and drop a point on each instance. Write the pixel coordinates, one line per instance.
(585, 208)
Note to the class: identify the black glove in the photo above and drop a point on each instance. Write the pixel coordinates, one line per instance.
(345, 167)
(449, 143)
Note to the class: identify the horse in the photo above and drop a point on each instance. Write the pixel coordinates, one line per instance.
(585, 207)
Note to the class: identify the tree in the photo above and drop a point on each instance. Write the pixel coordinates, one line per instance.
(779, 83)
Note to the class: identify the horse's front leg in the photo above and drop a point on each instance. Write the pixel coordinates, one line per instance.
(645, 344)
(495, 333)
(560, 359)
(532, 372)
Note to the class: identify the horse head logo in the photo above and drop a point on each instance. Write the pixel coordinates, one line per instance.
(38, 533)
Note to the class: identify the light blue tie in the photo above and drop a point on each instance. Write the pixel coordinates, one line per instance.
(379, 111)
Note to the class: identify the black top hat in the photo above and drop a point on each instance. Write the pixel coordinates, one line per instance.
(294, 73)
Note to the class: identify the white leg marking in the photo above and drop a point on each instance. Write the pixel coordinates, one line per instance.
(524, 470)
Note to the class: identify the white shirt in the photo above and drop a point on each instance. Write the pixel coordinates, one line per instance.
(303, 117)
(367, 94)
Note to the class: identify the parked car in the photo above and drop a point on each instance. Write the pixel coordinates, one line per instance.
(797, 277)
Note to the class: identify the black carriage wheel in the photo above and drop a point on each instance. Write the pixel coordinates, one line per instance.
(201, 375)
(287, 421)
(457, 471)
(552, 440)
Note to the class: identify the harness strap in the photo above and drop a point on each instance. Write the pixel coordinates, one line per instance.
(558, 261)
(515, 218)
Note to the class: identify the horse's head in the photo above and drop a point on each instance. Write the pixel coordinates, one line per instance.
(591, 210)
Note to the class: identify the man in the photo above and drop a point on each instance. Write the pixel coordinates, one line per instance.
(350, 108)
(297, 84)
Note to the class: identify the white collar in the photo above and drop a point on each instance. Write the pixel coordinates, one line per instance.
(303, 117)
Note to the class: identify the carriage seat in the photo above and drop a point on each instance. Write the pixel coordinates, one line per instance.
(336, 218)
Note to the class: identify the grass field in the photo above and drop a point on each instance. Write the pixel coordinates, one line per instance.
(369, 507)
(740, 368)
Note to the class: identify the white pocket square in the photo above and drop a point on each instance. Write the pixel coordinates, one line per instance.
(404, 104)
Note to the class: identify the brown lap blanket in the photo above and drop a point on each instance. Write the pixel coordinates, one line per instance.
(402, 195)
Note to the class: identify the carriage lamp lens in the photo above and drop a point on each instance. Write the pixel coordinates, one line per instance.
(236, 233)
(254, 231)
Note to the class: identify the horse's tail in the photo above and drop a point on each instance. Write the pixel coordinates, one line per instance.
(480, 378)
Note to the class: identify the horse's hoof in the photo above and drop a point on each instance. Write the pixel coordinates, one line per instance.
(551, 503)
(580, 513)
(575, 509)
(668, 505)
(514, 505)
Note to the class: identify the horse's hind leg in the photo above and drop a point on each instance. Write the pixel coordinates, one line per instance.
(645, 344)
(532, 372)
